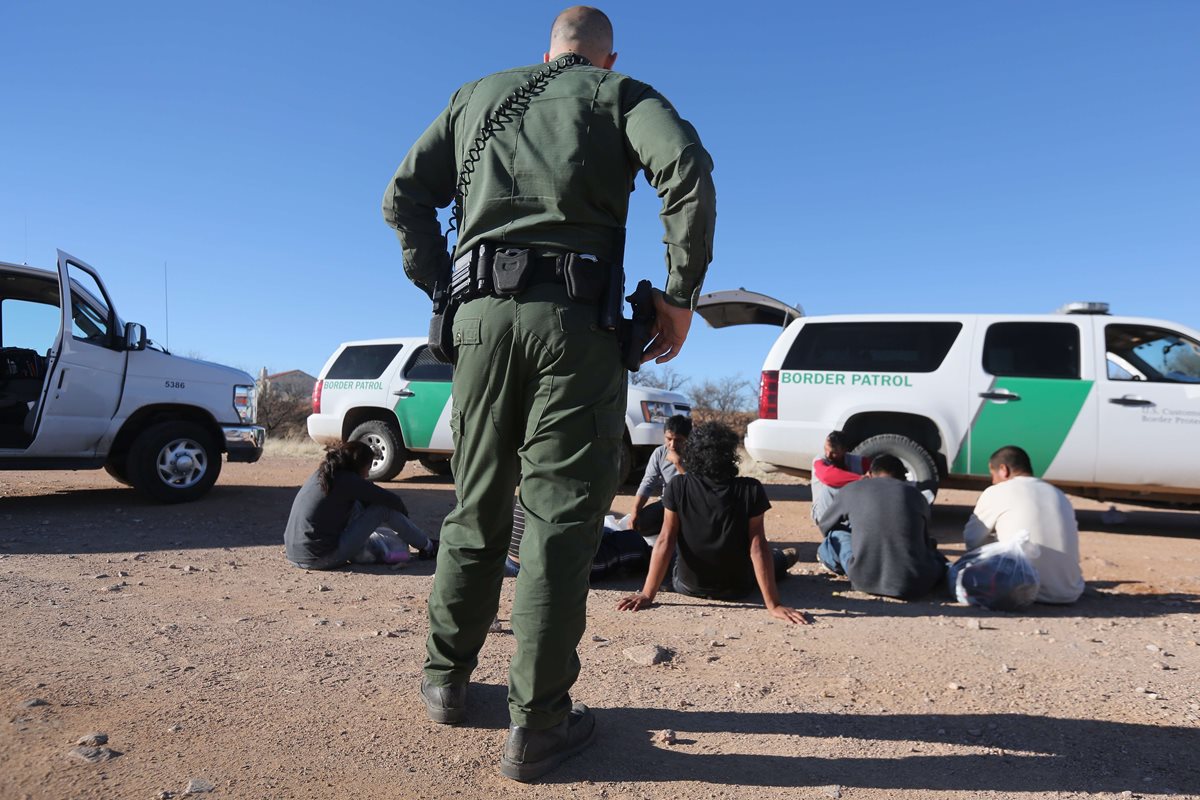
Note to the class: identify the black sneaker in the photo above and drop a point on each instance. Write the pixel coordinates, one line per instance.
(445, 705)
(528, 754)
(790, 556)
(431, 551)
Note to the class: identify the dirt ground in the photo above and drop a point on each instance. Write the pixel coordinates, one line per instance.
(181, 633)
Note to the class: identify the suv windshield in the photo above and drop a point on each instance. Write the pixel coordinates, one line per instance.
(1143, 353)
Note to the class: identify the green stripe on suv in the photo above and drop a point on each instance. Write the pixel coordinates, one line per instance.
(419, 414)
(1039, 422)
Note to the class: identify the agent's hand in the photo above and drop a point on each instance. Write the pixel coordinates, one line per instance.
(789, 615)
(634, 602)
(633, 518)
(671, 326)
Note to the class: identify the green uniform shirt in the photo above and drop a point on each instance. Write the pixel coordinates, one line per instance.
(559, 177)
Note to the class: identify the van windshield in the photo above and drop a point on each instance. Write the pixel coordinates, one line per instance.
(1145, 353)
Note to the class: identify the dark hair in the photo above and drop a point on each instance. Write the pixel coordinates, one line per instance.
(344, 457)
(838, 439)
(888, 465)
(678, 425)
(711, 452)
(1013, 457)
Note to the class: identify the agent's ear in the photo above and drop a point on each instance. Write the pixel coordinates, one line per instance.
(545, 58)
(609, 60)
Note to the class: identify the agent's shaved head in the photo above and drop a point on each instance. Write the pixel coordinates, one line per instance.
(586, 31)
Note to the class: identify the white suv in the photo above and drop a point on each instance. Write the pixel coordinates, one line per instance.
(1106, 406)
(394, 395)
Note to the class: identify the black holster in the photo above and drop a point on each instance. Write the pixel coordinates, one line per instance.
(441, 325)
(634, 334)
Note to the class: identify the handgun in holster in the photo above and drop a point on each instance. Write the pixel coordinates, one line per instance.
(441, 325)
(634, 334)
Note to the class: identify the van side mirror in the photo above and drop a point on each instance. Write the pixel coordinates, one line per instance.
(135, 336)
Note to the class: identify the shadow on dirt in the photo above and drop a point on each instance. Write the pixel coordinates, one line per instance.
(1012, 752)
(119, 520)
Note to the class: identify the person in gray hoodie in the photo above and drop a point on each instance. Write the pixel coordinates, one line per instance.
(890, 551)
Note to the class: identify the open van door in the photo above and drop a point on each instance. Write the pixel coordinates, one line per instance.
(87, 372)
(740, 307)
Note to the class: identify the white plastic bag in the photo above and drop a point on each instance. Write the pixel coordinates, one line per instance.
(384, 546)
(999, 576)
(614, 524)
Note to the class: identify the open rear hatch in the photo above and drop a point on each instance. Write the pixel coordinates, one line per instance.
(740, 307)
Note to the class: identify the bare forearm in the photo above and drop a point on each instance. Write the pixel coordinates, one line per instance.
(660, 561)
(764, 571)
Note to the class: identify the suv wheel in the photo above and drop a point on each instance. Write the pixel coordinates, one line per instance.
(173, 462)
(389, 448)
(917, 461)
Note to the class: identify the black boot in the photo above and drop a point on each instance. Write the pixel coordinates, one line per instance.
(431, 551)
(530, 754)
(446, 705)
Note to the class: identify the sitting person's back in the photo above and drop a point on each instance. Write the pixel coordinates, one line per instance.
(1016, 502)
(714, 539)
(892, 552)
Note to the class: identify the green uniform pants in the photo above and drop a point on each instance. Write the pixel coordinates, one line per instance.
(539, 398)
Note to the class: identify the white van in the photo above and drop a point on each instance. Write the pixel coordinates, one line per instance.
(1106, 406)
(394, 395)
(80, 389)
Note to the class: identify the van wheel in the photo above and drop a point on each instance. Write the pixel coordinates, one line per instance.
(385, 441)
(438, 466)
(921, 468)
(117, 470)
(174, 462)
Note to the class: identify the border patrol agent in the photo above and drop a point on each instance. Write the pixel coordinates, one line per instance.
(542, 188)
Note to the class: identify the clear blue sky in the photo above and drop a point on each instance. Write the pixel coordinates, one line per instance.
(871, 156)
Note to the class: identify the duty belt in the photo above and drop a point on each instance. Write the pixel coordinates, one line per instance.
(491, 270)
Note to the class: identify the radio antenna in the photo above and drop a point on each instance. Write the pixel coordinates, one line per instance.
(166, 311)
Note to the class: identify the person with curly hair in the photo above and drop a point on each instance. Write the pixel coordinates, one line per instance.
(337, 511)
(713, 540)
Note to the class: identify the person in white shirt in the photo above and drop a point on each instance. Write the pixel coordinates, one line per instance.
(1017, 501)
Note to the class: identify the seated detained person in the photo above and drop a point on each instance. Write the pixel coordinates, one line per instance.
(337, 512)
(877, 534)
(1016, 503)
(712, 538)
(662, 467)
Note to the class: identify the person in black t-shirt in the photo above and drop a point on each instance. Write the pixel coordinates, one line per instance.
(337, 511)
(713, 526)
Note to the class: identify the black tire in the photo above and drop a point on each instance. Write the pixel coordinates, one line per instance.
(388, 445)
(922, 469)
(438, 465)
(174, 462)
(625, 463)
(117, 469)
